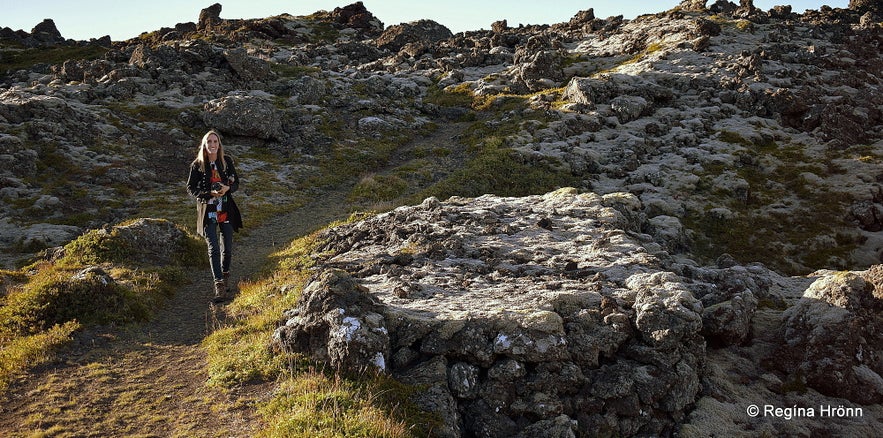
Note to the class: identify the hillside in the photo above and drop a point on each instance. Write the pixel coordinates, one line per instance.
(717, 168)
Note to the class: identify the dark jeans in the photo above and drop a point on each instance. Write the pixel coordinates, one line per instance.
(219, 252)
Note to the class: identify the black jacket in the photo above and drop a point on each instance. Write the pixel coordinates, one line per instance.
(199, 187)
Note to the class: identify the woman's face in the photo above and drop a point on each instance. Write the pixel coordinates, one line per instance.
(212, 144)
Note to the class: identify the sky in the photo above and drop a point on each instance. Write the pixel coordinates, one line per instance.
(87, 19)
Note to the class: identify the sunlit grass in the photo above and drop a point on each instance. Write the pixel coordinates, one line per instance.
(19, 353)
(307, 402)
(46, 302)
(314, 403)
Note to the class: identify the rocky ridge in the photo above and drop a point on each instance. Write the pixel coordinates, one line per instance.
(553, 316)
(714, 117)
(704, 139)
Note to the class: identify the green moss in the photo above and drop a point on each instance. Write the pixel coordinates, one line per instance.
(756, 234)
(103, 246)
(12, 59)
(502, 171)
(375, 188)
(97, 246)
(501, 103)
(459, 96)
(357, 157)
(733, 138)
(649, 50)
(745, 25)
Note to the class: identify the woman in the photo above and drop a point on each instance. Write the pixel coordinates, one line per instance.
(212, 182)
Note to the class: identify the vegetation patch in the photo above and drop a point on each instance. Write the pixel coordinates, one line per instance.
(757, 232)
(494, 167)
(18, 353)
(293, 71)
(349, 158)
(324, 404)
(308, 400)
(459, 96)
(96, 282)
(502, 171)
(125, 244)
(20, 58)
(375, 188)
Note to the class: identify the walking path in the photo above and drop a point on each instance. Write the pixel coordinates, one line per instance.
(149, 380)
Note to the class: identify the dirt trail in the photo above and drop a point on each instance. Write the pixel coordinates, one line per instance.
(149, 380)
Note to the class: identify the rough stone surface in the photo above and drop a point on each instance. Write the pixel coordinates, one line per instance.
(713, 136)
(244, 115)
(834, 332)
(209, 17)
(531, 304)
(424, 31)
(248, 68)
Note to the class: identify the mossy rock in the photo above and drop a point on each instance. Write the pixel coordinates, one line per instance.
(142, 242)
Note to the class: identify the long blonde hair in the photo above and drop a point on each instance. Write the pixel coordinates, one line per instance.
(202, 154)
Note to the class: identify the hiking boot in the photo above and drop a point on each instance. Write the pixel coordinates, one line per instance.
(220, 292)
(231, 288)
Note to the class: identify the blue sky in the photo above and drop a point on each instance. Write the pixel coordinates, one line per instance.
(85, 19)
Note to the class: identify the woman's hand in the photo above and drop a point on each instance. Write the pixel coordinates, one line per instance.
(221, 192)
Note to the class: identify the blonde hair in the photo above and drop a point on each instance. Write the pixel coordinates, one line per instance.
(202, 154)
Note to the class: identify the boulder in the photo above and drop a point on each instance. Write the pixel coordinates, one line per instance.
(46, 32)
(244, 115)
(247, 68)
(629, 108)
(863, 6)
(36, 236)
(337, 321)
(833, 335)
(693, 5)
(517, 314)
(209, 18)
(356, 16)
(421, 31)
(540, 70)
